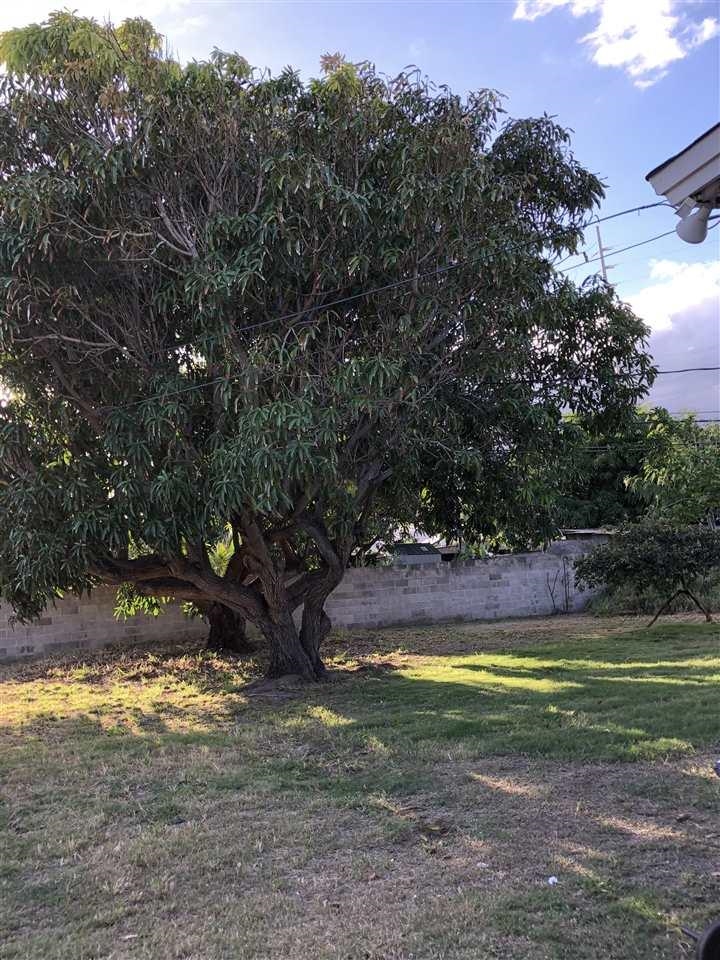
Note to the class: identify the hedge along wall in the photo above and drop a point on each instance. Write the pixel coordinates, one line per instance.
(519, 585)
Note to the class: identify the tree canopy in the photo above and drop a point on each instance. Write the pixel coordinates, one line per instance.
(239, 308)
(679, 477)
(596, 490)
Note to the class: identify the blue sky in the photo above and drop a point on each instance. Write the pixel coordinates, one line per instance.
(636, 80)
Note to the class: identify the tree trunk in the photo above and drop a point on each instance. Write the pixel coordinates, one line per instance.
(315, 627)
(316, 624)
(699, 605)
(287, 655)
(227, 630)
(690, 596)
(665, 606)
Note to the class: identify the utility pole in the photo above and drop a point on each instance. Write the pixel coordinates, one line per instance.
(602, 251)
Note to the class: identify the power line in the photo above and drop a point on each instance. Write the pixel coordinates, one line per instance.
(426, 276)
(686, 370)
(224, 379)
(624, 249)
(366, 293)
(612, 216)
(621, 213)
(638, 446)
(438, 271)
(641, 449)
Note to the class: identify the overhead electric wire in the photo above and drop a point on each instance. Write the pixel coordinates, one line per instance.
(686, 370)
(614, 252)
(224, 379)
(612, 216)
(621, 213)
(438, 271)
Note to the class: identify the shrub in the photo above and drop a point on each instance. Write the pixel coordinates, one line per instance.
(657, 556)
(624, 601)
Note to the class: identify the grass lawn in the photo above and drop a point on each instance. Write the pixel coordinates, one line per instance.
(412, 808)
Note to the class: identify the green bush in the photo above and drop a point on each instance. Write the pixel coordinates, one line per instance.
(654, 556)
(625, 601)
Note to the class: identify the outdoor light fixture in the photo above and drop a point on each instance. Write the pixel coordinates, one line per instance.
(693, 227)
(690, 182)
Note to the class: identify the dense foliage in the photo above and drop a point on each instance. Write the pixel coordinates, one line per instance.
(679, 478)
(596, 490)
(236, 308)
(653, 554)
(652, 465)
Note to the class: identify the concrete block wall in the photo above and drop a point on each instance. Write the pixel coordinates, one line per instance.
(87, 623)
(520, 585)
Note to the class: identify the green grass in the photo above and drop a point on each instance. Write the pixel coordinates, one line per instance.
(638, 696)
(414, 807)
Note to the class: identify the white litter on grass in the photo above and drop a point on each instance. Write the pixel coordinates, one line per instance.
(552, 881)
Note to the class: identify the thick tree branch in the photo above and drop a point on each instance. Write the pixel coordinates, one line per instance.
(129, 571)
(92, 415)
(317, 531)
(170, 587)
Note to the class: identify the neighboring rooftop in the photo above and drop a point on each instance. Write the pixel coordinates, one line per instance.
(411, 553)
(413, 549)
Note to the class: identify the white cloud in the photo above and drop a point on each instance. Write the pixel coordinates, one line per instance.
(642, 39)
(692, 341)
(190, 25)
(674, 288)
(681, 304)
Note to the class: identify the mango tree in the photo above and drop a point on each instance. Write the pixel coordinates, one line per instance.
(237, 307)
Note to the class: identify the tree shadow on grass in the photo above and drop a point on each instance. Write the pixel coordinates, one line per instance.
(496, 828)
(610, 700)
(495, 769)
(182, 662)
(616, 699)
